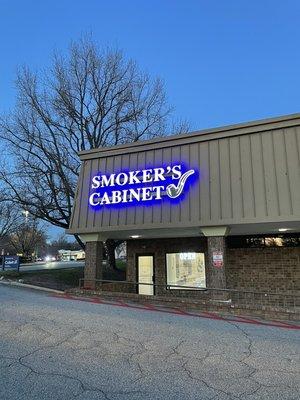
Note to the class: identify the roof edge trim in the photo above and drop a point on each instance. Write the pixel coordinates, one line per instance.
(195, 136)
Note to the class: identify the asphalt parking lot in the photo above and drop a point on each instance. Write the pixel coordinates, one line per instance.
(54, 348)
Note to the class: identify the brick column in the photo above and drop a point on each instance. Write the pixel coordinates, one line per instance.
(93, 264)
(131, 271)
(160, 272)
(216, 246)
(216, 256)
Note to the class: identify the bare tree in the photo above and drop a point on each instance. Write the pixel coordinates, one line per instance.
(27, 238)
(89, 99)
(61, 243)
(10, 217)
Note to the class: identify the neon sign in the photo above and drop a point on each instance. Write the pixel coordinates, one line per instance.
(139, 186)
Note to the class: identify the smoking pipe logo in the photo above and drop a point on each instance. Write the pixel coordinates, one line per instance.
(139, 185)
(174, 191)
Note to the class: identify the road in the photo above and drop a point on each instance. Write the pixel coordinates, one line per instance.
(40, 266)
(58, 349)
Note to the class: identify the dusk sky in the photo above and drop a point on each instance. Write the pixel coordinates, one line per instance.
(222, 61)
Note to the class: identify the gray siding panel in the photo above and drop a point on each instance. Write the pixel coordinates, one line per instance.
(93, 171)
(250, 177)
(280, 160)
(157, 209)
(204, 182)
(176, 211)
(236, 177)
(131, 210)
(106, 209)
(165, 206)
(185, 205)
(293, 168)
(215, 192)
(246, 173)
(114, 211)
(122, 212)
(148, 211)
(259, 192)
(84, 209)
(77, 203)
(270, 175)
(195, 195)
(98, 220)
(225, 181)
(139, 211)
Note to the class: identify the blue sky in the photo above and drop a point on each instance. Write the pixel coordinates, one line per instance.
(223, 62)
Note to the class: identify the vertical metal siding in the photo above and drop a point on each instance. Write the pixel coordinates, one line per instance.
(259, 192)
(236, 178)
(165, 206)
(270, 175)
(157, 213)
(215, 187)
(185, 205)
(195, 195)
(251, 177)
(292, 142)
(204, 181)
(225, 181)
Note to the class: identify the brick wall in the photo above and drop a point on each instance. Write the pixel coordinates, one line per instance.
(159, 248)
(264, 269)
(259, 269)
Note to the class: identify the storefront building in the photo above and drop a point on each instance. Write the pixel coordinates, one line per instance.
(211, 209)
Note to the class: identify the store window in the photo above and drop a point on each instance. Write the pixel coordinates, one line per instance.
(186, 269)
(288, 240)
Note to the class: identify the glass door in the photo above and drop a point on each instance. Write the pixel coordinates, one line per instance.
(145, 274)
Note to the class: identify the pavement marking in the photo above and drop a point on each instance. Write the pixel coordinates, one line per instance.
(213, 315)
(178, 311)
(247, 319)
(284, 323)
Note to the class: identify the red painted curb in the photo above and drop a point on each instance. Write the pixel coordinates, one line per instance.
(202, 314)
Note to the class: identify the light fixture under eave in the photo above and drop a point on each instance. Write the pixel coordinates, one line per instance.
(135, 236)
(283, 229)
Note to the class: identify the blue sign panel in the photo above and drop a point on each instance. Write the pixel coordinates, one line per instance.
(11, 262)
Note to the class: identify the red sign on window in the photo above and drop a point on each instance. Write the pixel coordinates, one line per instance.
(218, 259)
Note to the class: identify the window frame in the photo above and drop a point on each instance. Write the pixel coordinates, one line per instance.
(137, 255)
(259, 241)
(189, 288)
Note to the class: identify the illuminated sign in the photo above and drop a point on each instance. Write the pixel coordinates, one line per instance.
(11, 262)
(187, 256)
(139, 186)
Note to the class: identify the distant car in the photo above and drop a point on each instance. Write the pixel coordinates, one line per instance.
(50, 258)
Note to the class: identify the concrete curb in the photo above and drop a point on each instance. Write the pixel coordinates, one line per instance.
(191, 304)
(27, 286)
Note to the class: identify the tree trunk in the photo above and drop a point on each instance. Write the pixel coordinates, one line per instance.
(80, 242)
